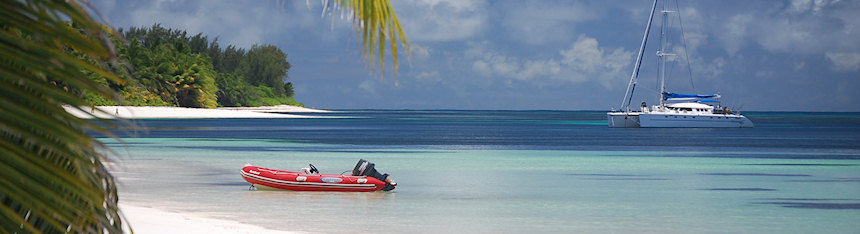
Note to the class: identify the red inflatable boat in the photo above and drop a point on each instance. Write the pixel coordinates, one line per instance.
(364, 178)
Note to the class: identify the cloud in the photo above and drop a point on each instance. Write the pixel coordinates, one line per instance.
(539, 22)
(587, 60)
(234, 23)
(844, 61)
(369, 86)
(813, 6)
(419, 52)
(490, 63)
(230, 26)
(735, 32)
(800, 27)
(442, 20)
(584, 61)
(533, 69)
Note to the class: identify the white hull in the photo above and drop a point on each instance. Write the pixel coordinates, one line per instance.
(623, 119)
(674, 120)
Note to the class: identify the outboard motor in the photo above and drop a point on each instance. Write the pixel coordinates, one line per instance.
(365, 168)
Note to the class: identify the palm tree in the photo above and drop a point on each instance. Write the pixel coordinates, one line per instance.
(52, 172)
(52, 178)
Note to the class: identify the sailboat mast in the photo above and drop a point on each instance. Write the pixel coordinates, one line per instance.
(625, 103)
(661, 53)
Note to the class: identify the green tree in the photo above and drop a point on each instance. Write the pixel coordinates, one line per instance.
(227, 61)
(179, 77)
(52, 178)
(266, 65)
(288, 89)
(233, 91)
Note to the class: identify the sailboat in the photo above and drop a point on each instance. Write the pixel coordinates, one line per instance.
(674, 110)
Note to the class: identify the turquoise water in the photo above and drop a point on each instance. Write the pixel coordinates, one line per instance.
(509, 172)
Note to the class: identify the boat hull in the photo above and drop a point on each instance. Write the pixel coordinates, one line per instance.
(265, 178)
(623, 119)
(674, 120)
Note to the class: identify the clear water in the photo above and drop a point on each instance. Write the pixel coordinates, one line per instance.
(508, 172)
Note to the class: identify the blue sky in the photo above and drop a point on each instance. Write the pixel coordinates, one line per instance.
(760, 55)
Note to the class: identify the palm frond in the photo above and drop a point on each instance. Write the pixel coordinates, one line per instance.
(376, 23)
(52, 178)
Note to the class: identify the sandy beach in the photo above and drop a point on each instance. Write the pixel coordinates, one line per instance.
(163, 112)
(150, 220)
(145, 220)
(277, 109)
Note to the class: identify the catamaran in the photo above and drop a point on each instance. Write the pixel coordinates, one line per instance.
(674, 110)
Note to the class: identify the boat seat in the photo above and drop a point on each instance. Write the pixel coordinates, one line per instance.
(305, 171)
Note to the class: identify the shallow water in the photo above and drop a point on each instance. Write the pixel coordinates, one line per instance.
(509, 172)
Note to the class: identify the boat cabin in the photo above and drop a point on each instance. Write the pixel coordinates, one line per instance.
(686, 107)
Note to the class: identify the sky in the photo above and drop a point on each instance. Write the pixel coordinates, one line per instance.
(759, 55)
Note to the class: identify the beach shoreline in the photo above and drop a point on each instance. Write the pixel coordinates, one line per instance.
(165, 112)
(277, 109)
(145, 220)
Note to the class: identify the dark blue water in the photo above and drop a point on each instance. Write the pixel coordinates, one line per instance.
(823, 135)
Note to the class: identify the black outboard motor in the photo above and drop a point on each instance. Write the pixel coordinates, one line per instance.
(365, 168)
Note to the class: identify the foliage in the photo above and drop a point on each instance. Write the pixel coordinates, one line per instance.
(269, 98)
(193, 72)
(288, 89)
(51, 176)
(181, 79)
(266, 65)
(234, 91)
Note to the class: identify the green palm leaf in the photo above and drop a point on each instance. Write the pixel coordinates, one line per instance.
(376, 23)
(52, 178)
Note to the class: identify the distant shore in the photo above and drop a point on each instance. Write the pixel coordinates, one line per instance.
(145, 220)
(164, 112)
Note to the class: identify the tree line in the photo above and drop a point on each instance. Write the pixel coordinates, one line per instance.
(167, 67)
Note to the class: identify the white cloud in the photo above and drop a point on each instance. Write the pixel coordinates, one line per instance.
(482, 68)
(369, 86)
(814, 6)
(765, 74)
(799, 66)
(538, 22)
(419, 52)
(503, 65)
(587, 60)
(713, 69)
(442, 20)
(544, 68)
(235, 23)
(801, 27)
(429, 76)
(491, 63)
(844, 61)
(584, 61)
(734, 33)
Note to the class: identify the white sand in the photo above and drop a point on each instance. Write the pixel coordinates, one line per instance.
(162, 112)
(277, 109)
(145, 220)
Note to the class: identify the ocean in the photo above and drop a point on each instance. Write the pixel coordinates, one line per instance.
(506, 172)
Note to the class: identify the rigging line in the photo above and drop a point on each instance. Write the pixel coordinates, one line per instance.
(686, 55)
(632, 85)
(651, 90)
